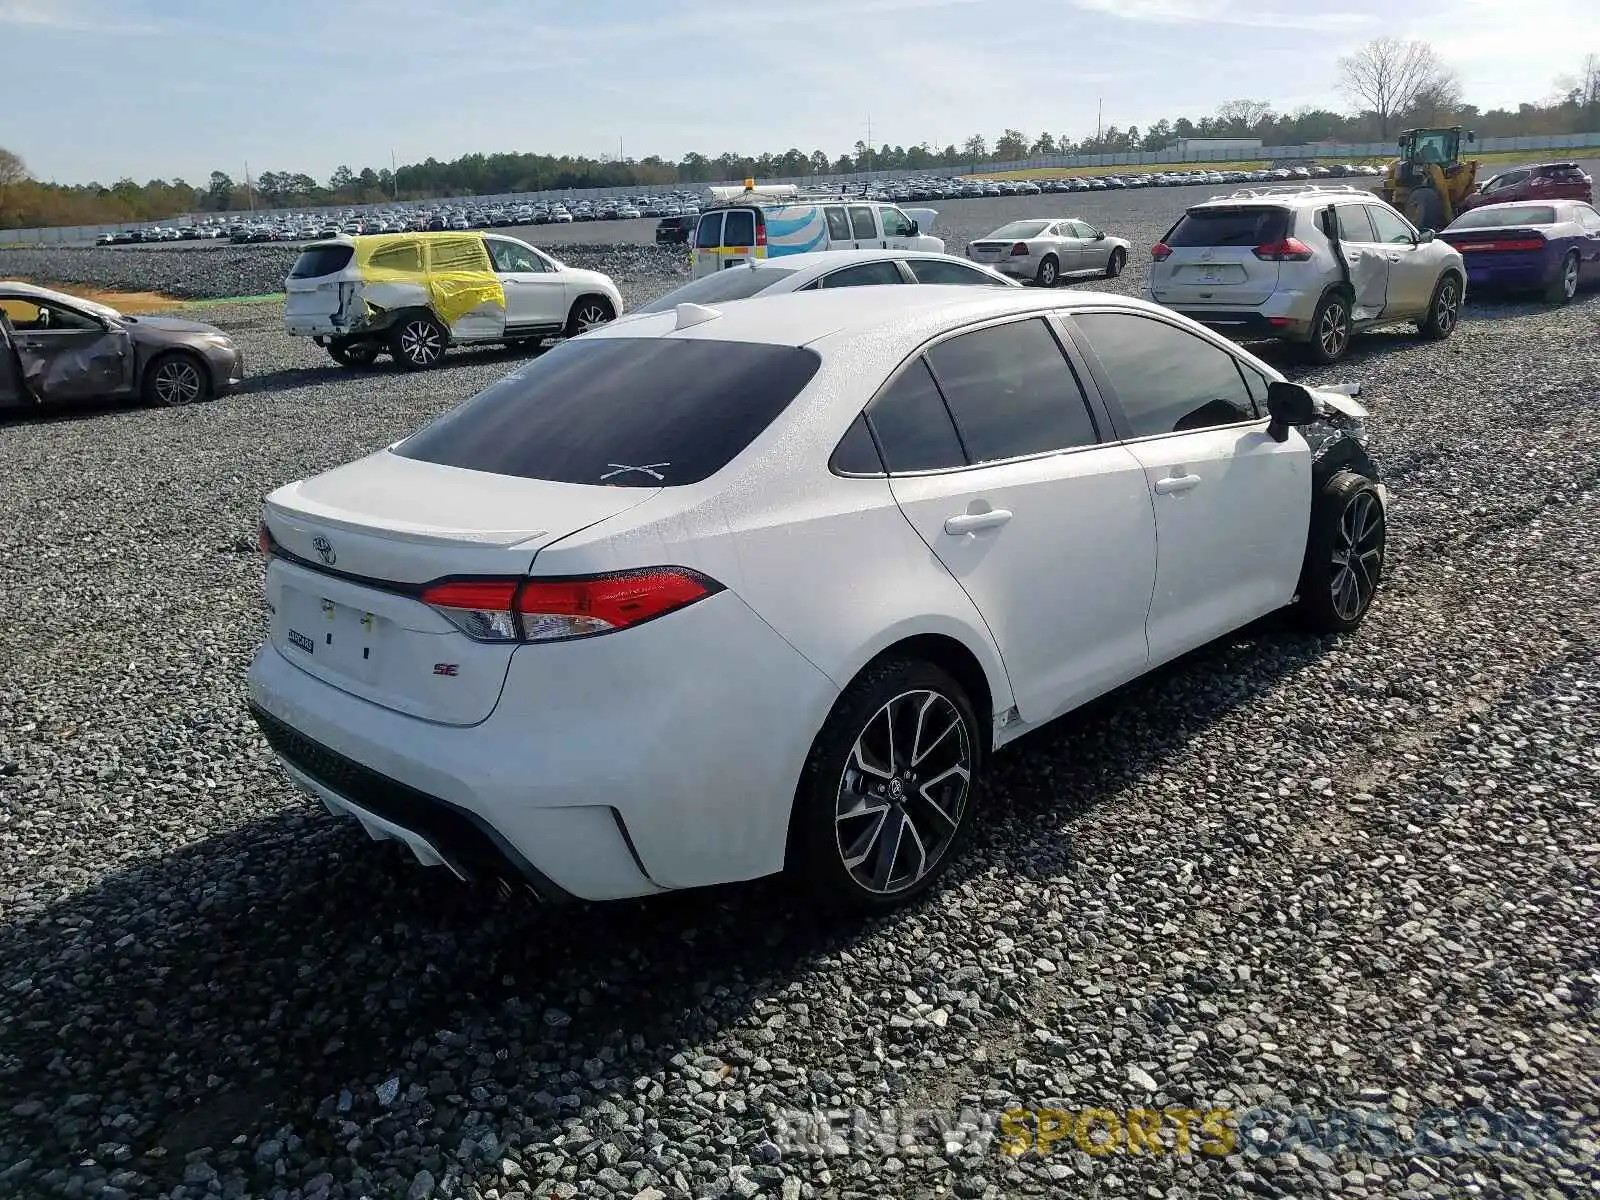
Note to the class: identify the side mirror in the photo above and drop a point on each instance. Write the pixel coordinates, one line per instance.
(1471, 137)
(1425, 237)
(1288, 404)
(915, 229)
(1099, 236)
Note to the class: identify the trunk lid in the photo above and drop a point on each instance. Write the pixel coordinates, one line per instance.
(322, 282)
(353, 547)
(1213, 260)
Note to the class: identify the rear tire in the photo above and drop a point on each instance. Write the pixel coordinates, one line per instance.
(1344, 555)
(1330, 329)
(885, 800)
(175, 379)
(418, 342)
(1049, 272)
(1444, 310)
(1115, 263)
(1564, 286)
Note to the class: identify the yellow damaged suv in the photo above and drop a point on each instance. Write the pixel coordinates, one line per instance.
(416, 294)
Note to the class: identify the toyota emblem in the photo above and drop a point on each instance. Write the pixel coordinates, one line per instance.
(325, 548)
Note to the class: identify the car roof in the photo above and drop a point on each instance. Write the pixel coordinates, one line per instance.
(835, 258)
(1291, 196)
(907, 315)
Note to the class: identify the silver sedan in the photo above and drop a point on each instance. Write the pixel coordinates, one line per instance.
(1046, 249)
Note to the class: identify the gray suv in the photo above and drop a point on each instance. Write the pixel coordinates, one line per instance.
(1309, 264)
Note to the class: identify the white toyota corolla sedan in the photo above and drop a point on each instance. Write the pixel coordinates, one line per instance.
(719, 592)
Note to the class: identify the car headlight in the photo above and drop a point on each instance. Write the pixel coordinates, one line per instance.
(220, 340)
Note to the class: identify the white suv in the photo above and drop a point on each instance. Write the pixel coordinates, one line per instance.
(1307, 264)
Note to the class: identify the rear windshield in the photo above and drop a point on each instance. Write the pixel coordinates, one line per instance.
(1496, 215)
(1230, 227)
(316, 261)
(624, 412)
(1020, 229)
(735, 283)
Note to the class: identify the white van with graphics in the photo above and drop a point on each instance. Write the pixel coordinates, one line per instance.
(767, 226)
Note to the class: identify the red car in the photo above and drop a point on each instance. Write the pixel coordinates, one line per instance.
(1547, 181)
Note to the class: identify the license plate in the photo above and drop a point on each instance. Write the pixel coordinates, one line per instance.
(340, 637)
(1211, 275)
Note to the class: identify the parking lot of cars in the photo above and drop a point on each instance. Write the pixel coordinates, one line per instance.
(1285, 875)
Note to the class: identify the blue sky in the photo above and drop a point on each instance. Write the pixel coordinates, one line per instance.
(99, 89)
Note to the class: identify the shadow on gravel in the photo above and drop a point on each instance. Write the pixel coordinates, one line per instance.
(81, 410)
(234, 986)
(384, 368)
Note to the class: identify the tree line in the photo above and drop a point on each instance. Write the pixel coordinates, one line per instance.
(1390, 84)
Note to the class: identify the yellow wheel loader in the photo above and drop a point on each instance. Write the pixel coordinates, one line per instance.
(1429, 181)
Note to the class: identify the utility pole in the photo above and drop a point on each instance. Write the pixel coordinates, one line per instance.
(1099, 121)
(249, 191)
(869, 145)
(394, 177)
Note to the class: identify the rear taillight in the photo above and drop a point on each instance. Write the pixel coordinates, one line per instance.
(264, 538)
(1161, 252)
(552, 610)
(1019, 249)
(1286, 250)
(761, 231)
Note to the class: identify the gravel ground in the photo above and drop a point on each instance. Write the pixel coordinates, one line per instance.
(1286, 876)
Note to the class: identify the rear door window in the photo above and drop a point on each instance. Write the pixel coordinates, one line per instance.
(912, 425)
(316, 261)
(838, 225)
(709, 235)
(739, 228)
(458, 254)
(1012, 392)
(1243, 227)
(621, 412)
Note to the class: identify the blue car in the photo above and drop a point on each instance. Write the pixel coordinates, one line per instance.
(1548, 246)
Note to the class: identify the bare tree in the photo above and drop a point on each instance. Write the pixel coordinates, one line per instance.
(1583, 89)
(1386, 76)
(1243, 116)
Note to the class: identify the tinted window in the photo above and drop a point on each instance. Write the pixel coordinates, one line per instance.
(1353, 223)
(1230, 227)
(739, 228)
(1020, 229)
(1167, 379)
(318, 261)
(1390, 227)
(838, 225)
(403, 256)
(1493, 215)
(1588, 218)
(709, 235)
(732, 284)
(625, 412)
(865, 227)
(864, 275)
(913, 426)
(856, 453)
(1011, 392)
(1256, 384)
(936, 270)
(1509, 179)
(1083, 229)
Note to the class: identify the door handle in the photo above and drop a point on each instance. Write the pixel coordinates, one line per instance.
(1394, 258)
(1173, 484)
(973, 522)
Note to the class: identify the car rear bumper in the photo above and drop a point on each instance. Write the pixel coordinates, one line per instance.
(1245, 323)
(1511, 274)
(656, 758)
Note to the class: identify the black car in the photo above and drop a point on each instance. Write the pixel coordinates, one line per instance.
(674, 231)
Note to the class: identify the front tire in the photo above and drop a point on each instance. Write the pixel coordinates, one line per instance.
(885, 799)
(1564, 286)
(1116, 262)
(587, 313)
(1444, 311)
(1049, 272)
(176, 379)
(1344, 554)
(1330, 329)
(418, 342)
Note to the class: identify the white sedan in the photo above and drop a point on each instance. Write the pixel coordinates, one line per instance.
(718, 592)
(1045, 250)
(824, 269)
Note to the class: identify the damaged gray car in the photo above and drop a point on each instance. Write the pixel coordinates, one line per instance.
(59, 348)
